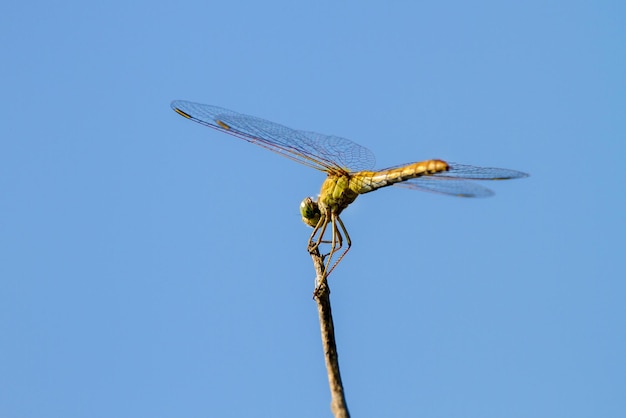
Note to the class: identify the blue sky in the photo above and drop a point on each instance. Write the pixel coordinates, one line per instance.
(150, 266)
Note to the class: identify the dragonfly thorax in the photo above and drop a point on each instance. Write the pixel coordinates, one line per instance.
(336, 194)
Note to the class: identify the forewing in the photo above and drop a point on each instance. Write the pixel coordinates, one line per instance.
(323, 152)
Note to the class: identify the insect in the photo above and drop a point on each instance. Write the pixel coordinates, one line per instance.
(347, 166)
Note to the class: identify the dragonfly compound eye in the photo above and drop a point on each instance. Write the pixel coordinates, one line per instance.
(310, 212)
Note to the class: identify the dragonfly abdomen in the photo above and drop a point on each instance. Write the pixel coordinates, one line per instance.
(367, 181)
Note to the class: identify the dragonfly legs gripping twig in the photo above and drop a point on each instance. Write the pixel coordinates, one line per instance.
(336, 242)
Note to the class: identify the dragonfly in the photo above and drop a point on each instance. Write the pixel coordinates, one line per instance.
(348, 167)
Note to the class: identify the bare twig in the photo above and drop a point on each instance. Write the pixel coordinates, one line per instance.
(322, 298)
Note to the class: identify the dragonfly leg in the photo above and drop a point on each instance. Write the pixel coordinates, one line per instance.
(338, 230)
(348, 243)
(333, 243)
(321, 228)
(337, 238)
(336, 242)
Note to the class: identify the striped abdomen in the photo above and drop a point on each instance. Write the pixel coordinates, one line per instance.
(367, 181)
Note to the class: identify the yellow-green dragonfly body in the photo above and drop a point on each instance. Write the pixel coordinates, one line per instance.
(346, 165)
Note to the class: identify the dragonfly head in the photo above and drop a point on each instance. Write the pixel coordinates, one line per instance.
(310, 212)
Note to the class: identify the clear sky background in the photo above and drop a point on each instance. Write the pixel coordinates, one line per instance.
(151, 267)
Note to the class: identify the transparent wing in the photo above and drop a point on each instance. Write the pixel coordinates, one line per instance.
(463, 171)
(323, 152)
(454, 181)
(449, 186)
